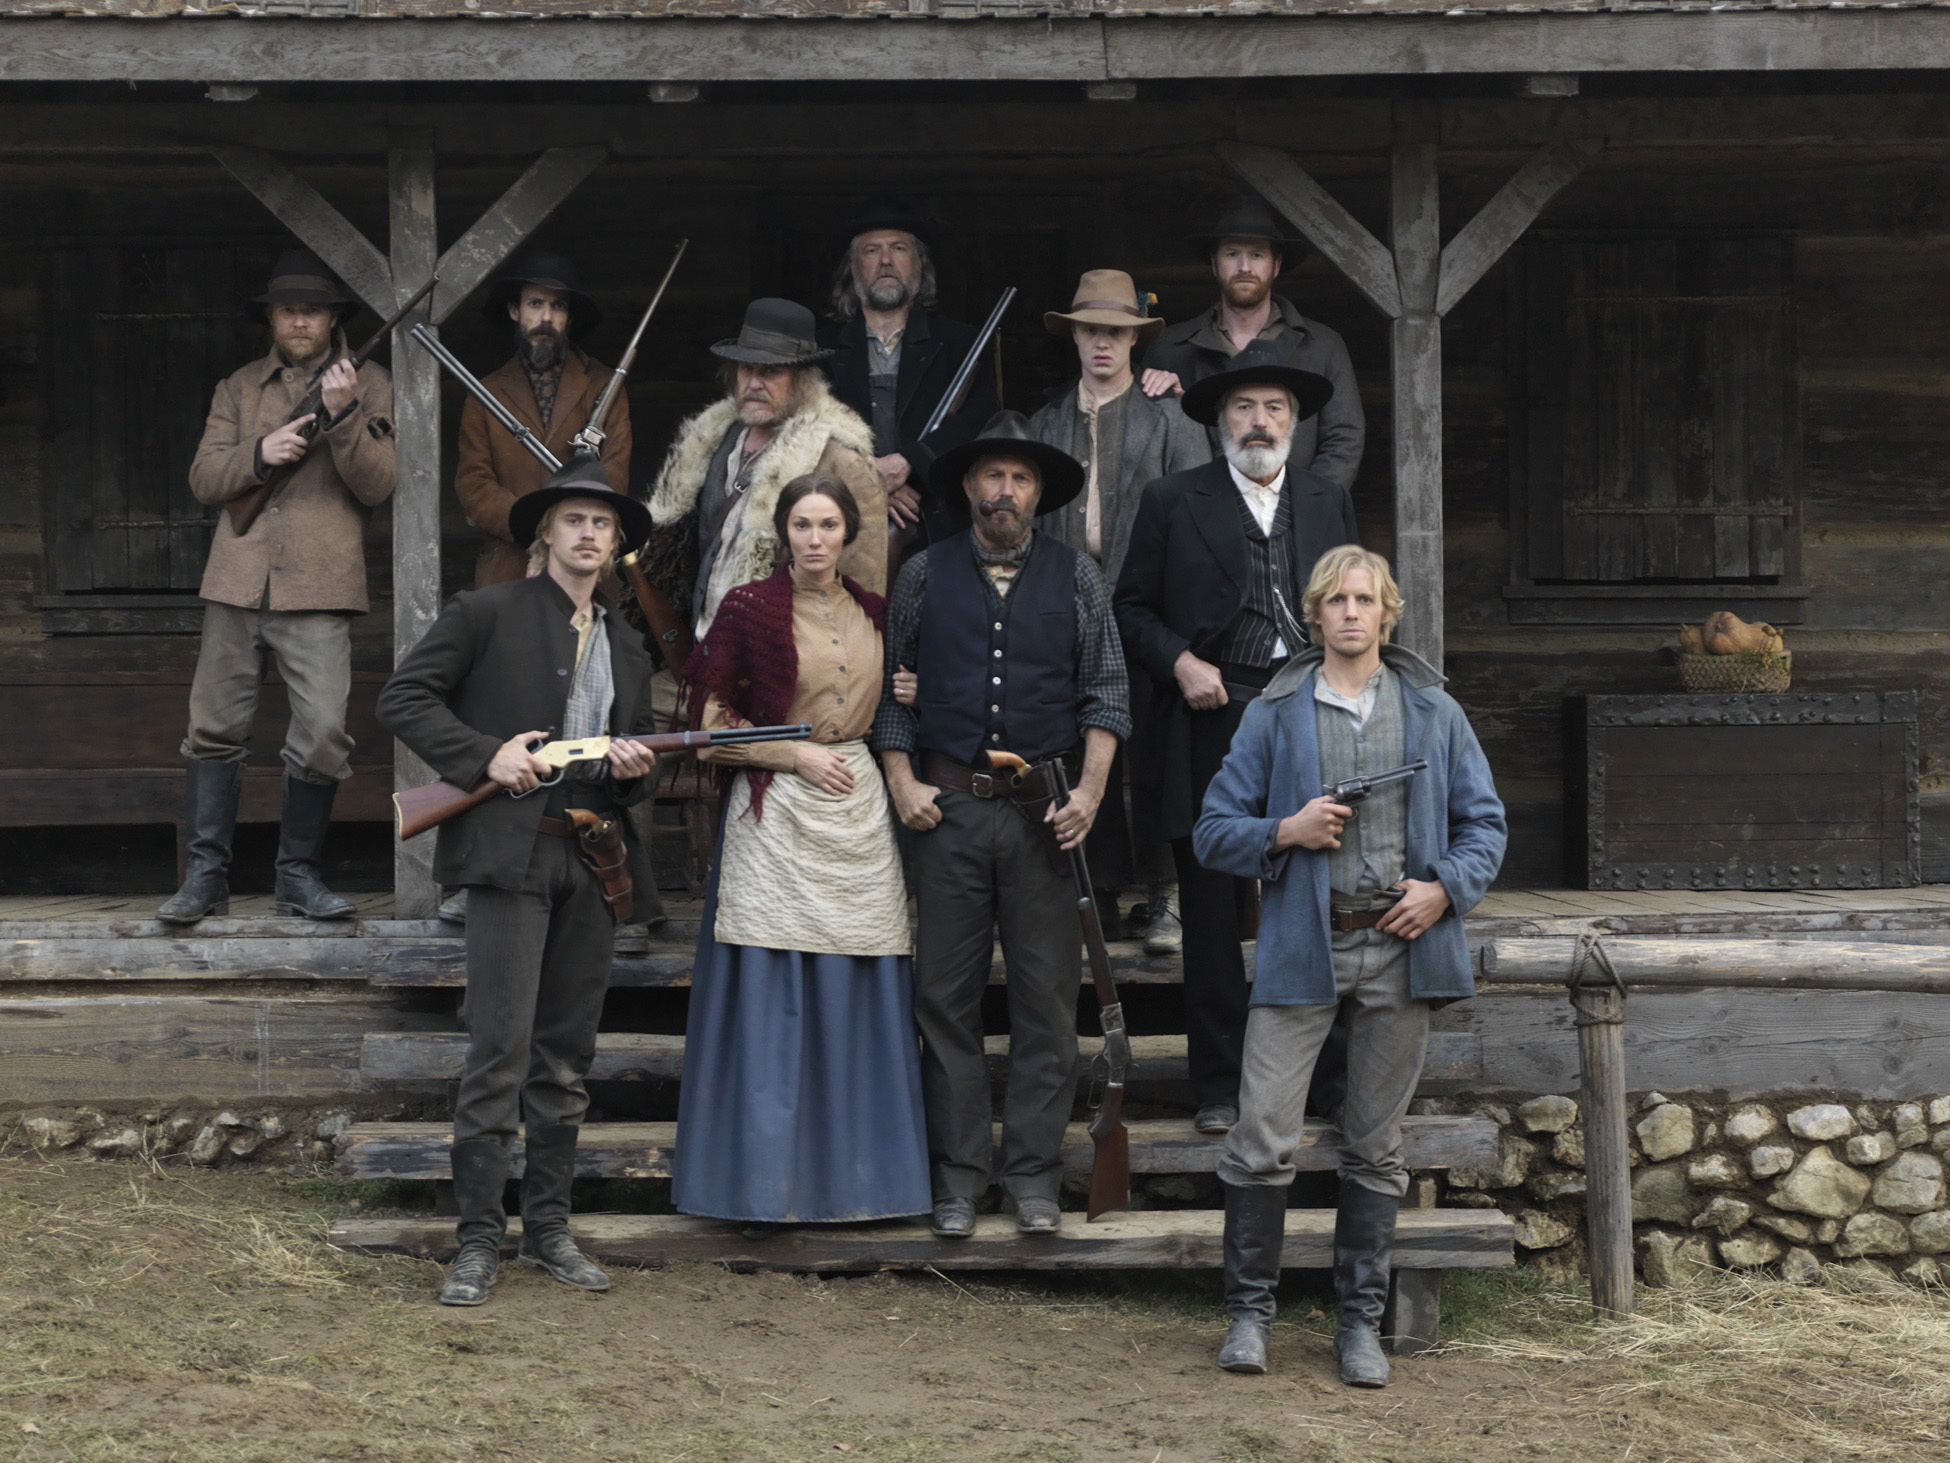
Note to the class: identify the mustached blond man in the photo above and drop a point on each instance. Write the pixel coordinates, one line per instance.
(1363, 912)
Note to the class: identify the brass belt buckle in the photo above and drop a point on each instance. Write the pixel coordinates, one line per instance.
(982, 784)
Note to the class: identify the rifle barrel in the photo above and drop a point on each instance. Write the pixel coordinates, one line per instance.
(593, 428)
(969, 362)
(431, 344)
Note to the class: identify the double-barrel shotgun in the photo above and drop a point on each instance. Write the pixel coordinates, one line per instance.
(244, 508)
(951, 398)
(420, 808)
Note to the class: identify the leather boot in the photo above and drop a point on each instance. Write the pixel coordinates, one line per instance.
(301, 840)
(210, 792)
(1254, 1234)
(545, 1240)
(480, 1167)
(1364, 1242)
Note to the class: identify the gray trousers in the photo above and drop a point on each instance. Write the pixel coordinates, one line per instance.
(313, 653)
(1388, 1037)
(538, 962)
(985, 866)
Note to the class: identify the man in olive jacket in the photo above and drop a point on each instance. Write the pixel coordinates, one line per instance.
(545, 657)
(285, 590)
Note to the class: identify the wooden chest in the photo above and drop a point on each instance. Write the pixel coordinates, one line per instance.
(1744, 792)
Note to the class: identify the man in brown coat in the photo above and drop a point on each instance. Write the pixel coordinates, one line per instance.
(551, 384)
(287, 588)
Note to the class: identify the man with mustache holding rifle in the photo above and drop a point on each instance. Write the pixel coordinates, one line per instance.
(503, 668)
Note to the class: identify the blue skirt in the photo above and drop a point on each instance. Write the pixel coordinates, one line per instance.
(802, 1086)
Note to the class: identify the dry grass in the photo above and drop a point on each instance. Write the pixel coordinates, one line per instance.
(1855, 1371)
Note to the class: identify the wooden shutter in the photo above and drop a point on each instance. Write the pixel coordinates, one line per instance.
(136, 340)
(1660, 409)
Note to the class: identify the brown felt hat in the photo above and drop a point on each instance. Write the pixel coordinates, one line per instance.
(1106, 297)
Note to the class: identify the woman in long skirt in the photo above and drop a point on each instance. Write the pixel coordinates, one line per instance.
(802, 1080)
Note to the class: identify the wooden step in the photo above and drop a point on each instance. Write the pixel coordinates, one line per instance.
(1175, 1239)
(389, 1058)
(644, 1150)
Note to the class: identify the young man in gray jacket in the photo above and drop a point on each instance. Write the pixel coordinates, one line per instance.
(1124, 439)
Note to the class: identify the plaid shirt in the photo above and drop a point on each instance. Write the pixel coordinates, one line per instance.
(1103, 691)
(591, 693)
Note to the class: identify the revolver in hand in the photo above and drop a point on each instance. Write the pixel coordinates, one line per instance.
(1356, 790)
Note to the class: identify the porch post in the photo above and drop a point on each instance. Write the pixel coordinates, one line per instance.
(1415, 353)
(416, 499)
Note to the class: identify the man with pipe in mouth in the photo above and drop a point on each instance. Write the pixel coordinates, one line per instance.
(503, 668)
(1011, 636)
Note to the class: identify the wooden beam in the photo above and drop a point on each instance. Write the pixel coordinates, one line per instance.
(524, 208)
(319, 226)
(1415, 368)
(1175, 1239)
(1699, 961)
(1501, 222)
(1330, 228)
(416, 499)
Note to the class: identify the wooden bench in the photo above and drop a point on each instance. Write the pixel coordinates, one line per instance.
(1427, 1242)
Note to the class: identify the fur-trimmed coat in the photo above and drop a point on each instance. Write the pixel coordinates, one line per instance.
(824, 436)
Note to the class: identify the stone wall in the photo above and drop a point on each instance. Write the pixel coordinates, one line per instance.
(286, 1136)
(1790, 1185)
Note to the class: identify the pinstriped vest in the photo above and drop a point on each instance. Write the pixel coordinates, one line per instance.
(1374, 846)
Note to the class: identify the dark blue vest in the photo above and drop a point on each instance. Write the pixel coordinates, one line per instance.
(999, 679)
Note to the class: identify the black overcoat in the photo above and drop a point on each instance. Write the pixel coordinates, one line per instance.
(1183, 586)
(932, 351)
(495, 664)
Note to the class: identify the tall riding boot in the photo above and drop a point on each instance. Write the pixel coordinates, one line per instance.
(301, 840)
(1255, 1231)
(480, 1167)
(545, 1240)
(1364, 1242)
(210, 810)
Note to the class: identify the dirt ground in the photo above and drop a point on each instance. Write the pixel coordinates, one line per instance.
(162, 1314)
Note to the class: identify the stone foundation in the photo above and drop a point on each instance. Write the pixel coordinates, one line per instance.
(277, 1136)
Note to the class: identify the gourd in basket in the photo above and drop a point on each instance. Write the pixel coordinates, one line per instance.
(1726, 654)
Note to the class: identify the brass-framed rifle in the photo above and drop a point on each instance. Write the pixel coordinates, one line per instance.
(589, 441)
(420, 808)
(1110, 1140)
(672, 630)
(243, 509)
(951, 398)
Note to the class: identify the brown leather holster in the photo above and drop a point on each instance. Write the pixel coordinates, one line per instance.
(599, 844)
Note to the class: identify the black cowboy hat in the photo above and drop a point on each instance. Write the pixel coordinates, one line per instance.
(551, 272)
(301, 278)
(1007, 434)
(886, 211)
(581, 477)
(1259, 364)
(1247, 218)
(775, 333)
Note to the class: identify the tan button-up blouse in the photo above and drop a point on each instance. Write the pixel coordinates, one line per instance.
(839, 678)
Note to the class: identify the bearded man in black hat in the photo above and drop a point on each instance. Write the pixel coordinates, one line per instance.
(1246, 249)
(551, 384)
(728, 464)
(893, 357)
(1208, 605)
(285, 590)
(1013, 639)
(503, 669)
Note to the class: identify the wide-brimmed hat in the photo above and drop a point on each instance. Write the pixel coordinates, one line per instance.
(1259, 364)
(551, 272)
(1106, 297)
(301, 278)
(887, 211)
(775, 333)
(1007, 434)
(1247, 218)
(581, 477)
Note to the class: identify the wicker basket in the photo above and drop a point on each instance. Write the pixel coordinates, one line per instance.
(1747, 671)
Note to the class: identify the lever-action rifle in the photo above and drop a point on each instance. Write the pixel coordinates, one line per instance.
(420, 808)
(589, 441)
(1110, 1140)
(951, 398)
(244, 508)
(1359, 789)
(673, 632)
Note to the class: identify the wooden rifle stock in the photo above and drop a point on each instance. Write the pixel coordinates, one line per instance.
(243, 510)
(418, 809)
(670, 629)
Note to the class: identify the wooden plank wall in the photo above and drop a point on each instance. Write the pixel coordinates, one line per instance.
(1026, 206)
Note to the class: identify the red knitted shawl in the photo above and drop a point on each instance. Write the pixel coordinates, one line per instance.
(750, 661)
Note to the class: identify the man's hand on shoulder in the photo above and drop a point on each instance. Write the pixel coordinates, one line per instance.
(1157, 383)
(1423, 902)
